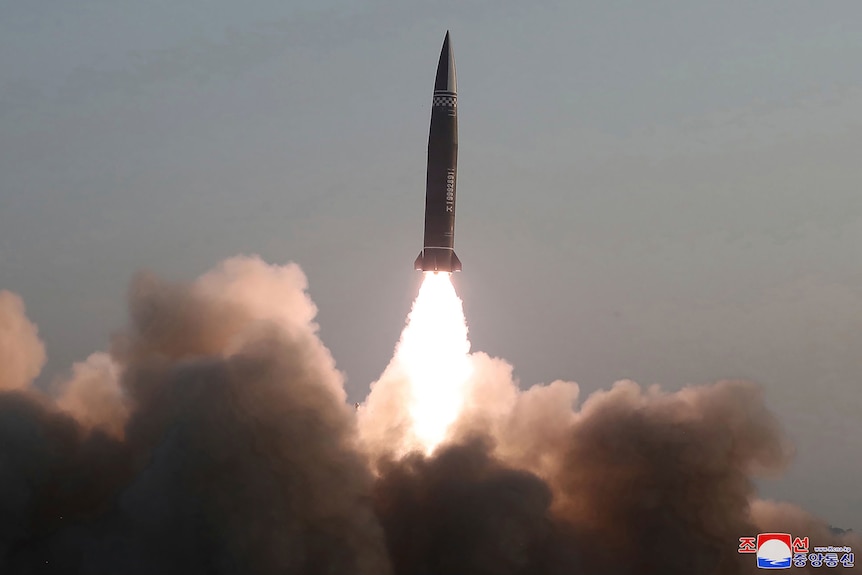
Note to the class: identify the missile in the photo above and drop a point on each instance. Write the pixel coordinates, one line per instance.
(438, 251)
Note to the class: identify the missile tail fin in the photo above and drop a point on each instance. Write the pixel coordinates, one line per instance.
(437, 260)
(455, 263)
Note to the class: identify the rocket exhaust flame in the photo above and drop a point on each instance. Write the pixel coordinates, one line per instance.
(424, 389)
(433, 353)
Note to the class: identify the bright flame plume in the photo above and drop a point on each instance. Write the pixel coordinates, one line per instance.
(434, 354)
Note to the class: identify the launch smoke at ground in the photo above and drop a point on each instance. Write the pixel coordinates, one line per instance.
(214, 436)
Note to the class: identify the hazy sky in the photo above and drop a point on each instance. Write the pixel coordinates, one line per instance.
(663, 191)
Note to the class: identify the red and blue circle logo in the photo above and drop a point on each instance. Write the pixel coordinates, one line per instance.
(774, 551)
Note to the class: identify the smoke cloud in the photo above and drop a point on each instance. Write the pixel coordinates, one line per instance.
(22, 354)
(93, 395)
(213, 436)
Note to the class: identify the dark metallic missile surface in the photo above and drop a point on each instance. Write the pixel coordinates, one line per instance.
(438, 253)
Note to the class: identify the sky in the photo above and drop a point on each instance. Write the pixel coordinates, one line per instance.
(666, 192)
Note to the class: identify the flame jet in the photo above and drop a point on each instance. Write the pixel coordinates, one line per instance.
(438, 253)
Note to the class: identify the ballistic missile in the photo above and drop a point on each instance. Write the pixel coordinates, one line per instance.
(438, 251)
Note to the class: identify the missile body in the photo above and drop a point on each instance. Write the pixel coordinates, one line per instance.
(438, 253)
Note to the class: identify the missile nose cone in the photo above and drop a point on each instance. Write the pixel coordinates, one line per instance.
(446, 81)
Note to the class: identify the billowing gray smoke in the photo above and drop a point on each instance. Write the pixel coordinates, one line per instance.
(235, 452)
(214, 437)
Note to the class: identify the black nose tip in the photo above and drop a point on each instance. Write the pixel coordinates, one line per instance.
(446, 79)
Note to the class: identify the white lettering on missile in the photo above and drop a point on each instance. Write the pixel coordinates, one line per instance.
(450, 191)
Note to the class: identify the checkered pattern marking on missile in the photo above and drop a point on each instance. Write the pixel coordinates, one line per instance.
(449, 101)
